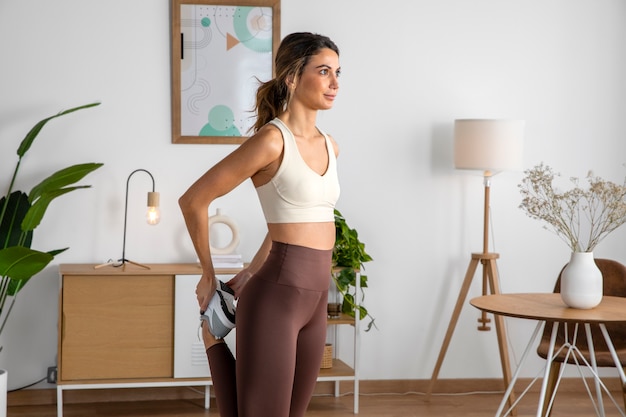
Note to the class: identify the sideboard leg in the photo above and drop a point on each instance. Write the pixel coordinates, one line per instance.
(59, 401)
(207, 397)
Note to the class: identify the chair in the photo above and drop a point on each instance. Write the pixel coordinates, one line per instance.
(614, 284)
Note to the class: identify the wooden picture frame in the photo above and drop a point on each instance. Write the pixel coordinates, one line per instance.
(220, 51)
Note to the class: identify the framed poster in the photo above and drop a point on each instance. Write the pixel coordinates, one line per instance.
(221, 50)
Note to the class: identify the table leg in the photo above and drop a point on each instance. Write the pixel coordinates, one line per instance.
(609, 344)
(594, 366)
(616, 360)
(549, 357)
(509, 388)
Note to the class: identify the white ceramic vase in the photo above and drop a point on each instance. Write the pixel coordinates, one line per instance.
(581, 282)
(3, 393)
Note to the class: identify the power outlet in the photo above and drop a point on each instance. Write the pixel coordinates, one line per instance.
(51, 378)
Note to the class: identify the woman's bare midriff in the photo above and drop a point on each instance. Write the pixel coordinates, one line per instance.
(311, 235)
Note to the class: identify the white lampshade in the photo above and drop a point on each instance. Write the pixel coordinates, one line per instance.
(488, 145)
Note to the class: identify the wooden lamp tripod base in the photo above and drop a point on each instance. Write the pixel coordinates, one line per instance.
(490, 283)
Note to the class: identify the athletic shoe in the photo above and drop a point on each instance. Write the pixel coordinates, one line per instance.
(220, 314)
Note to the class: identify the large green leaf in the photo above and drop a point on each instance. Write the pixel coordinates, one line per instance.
(17, 284)
(62, 178)
(20, 263)
(10, 231)
(32, 134)
(38, 209)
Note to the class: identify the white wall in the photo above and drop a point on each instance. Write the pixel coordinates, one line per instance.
(409, 69)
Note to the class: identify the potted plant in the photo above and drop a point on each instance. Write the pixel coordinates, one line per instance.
(582, 217)
(349, 256)
(21, 213)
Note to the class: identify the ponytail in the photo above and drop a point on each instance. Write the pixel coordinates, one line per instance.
(271, 99)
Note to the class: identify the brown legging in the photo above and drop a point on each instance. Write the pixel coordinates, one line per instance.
(281, 330)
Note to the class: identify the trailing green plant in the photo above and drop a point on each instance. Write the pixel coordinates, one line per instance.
(349, 256)
(21, 213)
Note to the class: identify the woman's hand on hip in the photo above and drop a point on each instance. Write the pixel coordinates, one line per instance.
(238, 282)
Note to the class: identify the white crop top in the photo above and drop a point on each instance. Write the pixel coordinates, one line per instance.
(296, 193)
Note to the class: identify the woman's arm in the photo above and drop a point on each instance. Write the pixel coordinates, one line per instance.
(247, 160)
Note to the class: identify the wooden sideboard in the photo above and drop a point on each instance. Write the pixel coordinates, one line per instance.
(127, 327)
(116, 327)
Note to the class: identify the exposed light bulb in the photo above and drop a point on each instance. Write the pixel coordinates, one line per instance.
(153, 215)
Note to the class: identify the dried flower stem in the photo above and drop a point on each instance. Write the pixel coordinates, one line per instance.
(582, 218)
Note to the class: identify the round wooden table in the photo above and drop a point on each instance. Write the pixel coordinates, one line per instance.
(548, 307)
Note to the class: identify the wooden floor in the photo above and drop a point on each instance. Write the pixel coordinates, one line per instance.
(371, 405)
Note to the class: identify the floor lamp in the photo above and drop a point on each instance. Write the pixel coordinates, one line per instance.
(490, 146)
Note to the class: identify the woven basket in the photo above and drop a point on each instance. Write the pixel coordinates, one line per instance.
(327, 359)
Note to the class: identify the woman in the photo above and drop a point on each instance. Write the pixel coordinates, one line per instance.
(282, 295)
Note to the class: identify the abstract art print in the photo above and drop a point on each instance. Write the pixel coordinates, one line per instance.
(221, 51)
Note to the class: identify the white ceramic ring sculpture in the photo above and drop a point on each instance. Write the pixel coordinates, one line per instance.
(230, 248)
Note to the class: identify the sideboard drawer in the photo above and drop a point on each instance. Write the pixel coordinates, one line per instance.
(117, 327)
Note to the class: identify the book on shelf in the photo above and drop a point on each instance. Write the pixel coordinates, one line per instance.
(233, 260)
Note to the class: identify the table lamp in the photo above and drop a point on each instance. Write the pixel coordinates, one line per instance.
(153, 216)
